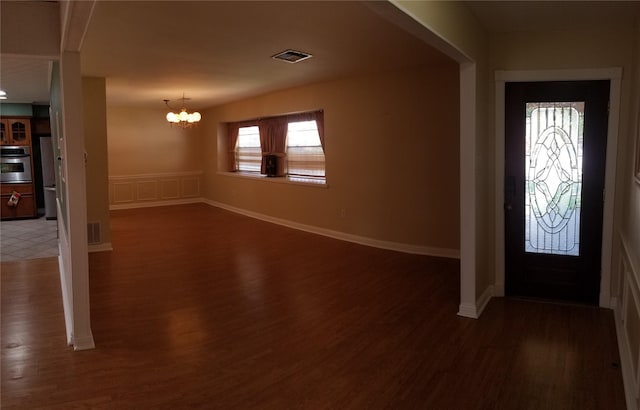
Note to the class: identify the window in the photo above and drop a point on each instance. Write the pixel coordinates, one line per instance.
(305, 156)
(248, 153)
(296, 140)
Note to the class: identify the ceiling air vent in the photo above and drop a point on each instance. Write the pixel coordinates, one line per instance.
(292, 56)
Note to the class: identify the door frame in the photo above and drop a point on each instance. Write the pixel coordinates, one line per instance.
(614, 75)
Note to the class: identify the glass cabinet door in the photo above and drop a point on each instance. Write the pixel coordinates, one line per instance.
(18, 131)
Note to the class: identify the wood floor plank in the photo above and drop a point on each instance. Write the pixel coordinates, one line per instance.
(197, 307)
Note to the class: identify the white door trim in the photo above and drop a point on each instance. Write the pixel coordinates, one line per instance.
(614, 75)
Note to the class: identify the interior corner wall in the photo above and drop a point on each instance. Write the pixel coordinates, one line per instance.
(150, 161)
(392, 157)
(95, 139)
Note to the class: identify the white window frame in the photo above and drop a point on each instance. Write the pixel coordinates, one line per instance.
(238, 149)
(319, 145)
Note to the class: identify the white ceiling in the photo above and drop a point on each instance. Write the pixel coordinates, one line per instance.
(219, 51)
(26, 80)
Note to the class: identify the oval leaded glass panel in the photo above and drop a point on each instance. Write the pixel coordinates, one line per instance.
(553, 177)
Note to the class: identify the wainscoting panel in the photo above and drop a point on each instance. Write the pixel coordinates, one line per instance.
(627, 313)
(121, 192)
(147, 190)
(137, 191)
(170, 189)
(191, 187)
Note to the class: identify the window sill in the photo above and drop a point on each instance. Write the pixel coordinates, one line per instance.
(292, 180)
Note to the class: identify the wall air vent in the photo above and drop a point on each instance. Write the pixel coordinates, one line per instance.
(291, 56)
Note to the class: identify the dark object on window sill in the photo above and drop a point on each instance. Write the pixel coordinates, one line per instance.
(271, 165)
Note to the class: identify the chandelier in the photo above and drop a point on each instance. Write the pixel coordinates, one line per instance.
(182, 119)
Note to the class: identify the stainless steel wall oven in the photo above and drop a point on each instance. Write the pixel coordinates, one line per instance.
(15, 164)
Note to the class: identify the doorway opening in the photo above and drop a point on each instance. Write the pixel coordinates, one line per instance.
(555, 155)
(614, 76)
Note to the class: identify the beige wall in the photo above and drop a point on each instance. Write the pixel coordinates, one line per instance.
(454, 24)
(391, 158)
(594, 48)
(95, 140)
(141, 141)
(450, 20)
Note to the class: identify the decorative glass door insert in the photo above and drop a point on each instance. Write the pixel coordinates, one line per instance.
(553, 177)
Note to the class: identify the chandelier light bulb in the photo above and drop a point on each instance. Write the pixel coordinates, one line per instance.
(183, 118)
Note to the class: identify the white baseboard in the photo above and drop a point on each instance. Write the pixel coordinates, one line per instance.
(65, 284)
(498, 289)
(474, 311)
(484, 299)
(613, 303)
(625, 361)
(468, 310)
(68, 321)
(151, 204)
(100, 247)
(394, 246)
(84, 342)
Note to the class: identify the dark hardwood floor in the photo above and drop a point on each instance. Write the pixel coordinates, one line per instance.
(197, 307)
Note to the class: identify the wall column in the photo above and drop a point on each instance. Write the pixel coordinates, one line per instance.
(73, 164)
(468, 306)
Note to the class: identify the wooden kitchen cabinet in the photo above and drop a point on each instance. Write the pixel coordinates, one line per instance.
(4, 132)
(15, 131)
(26, 207)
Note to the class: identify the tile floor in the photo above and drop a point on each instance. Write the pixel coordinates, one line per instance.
(28, 239)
